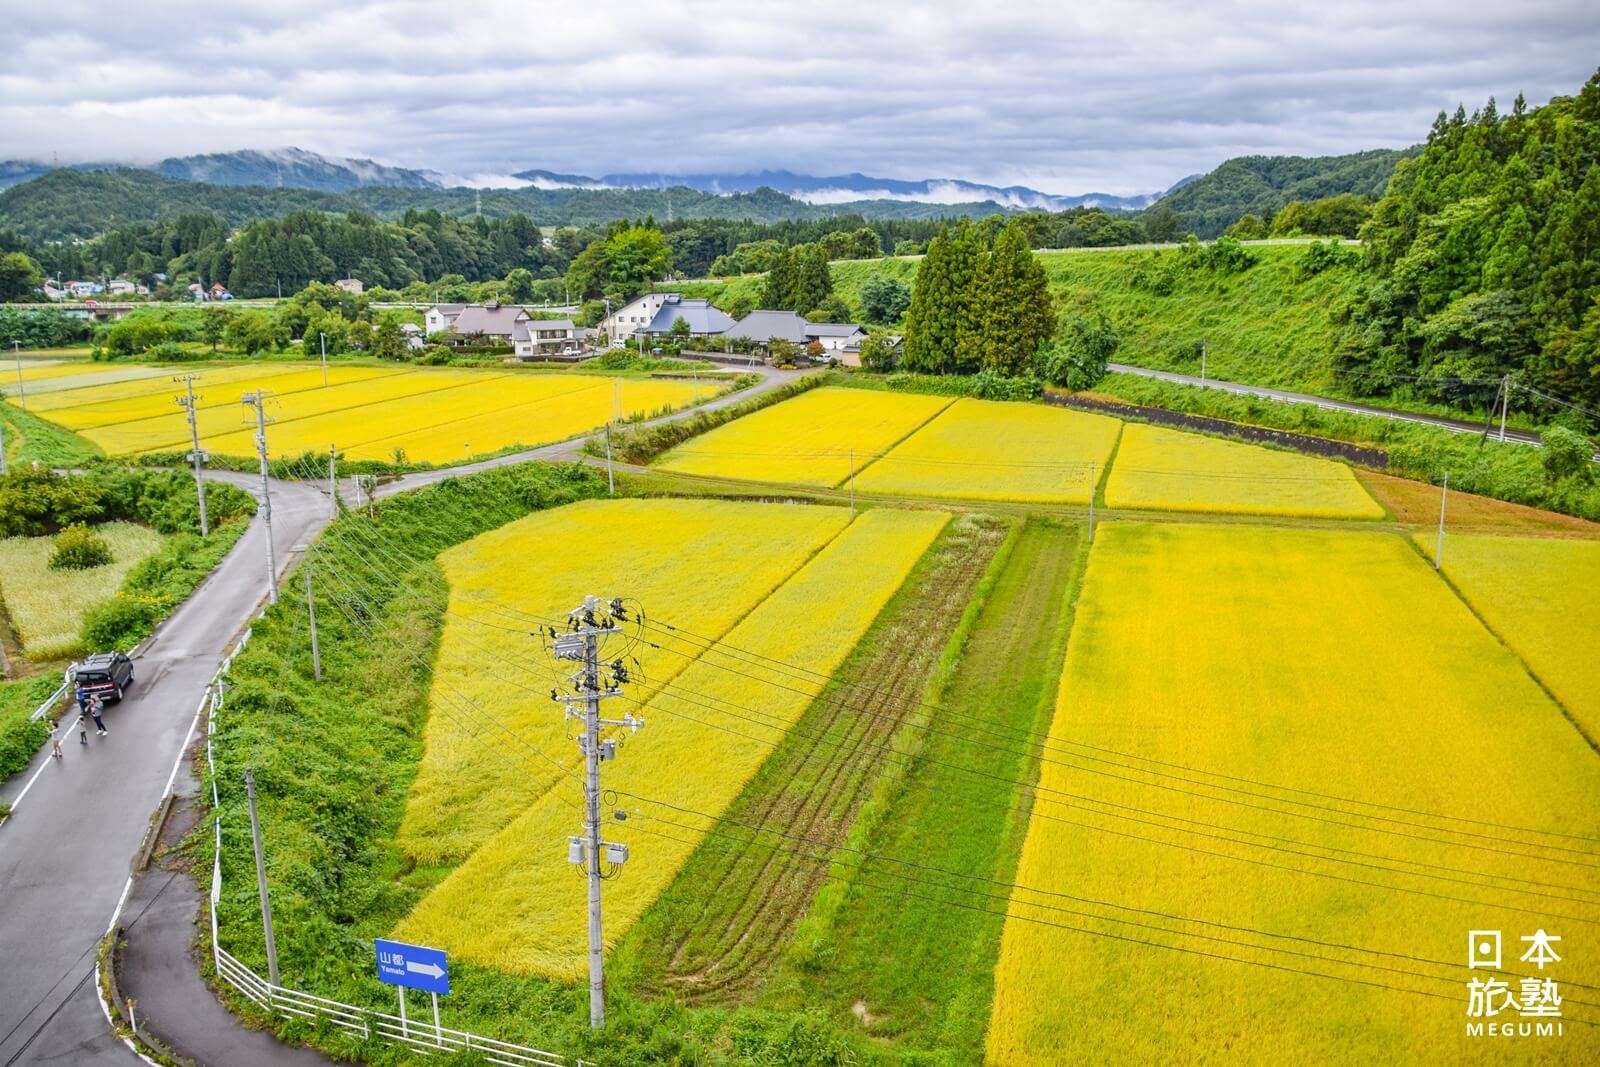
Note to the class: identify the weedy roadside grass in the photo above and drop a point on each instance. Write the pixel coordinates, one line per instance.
(1168, 470)
(904, 960)
(46, 606)
(707, 735)
(1362, 712)
(1541, 596)
(998, 450)
(30, 439)
(816, 438)
(20, 737)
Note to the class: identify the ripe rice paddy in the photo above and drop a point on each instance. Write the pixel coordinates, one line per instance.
(1542, 597)
(418, 414)
(1293, 732)
(1169, 470)
(818, 438)
(508, 906)
(47, 606)
(996, 450)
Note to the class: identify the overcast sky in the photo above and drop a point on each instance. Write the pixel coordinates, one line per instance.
(1065, 97)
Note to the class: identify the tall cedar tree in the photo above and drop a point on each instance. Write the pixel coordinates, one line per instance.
(813, 282)
(778, 291)
(940, 300)
(1010, 315)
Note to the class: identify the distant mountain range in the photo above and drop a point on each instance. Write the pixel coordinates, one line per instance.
(296, 168)
(43, 202)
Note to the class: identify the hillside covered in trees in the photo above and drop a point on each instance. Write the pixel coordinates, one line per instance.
(1484, 259)
(1262, 185)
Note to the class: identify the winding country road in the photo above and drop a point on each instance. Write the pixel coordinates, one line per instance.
(67, 851)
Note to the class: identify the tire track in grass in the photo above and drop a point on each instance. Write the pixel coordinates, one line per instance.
(721, 925)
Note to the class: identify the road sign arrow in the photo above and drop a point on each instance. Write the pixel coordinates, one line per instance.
(430, 969)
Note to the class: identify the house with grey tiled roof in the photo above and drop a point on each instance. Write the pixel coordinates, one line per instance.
(535, 338)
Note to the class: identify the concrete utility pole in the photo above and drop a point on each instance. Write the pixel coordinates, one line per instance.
(589, 625)
(1438, 549)
(1505, 403)
(611, 478)
(196, 456)
(258, 400)
(333, 484)
(22, 390)
(322, 339)
(261, 880)
(311, 615)
(1202, 362)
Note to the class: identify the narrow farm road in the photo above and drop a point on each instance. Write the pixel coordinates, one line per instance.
(1453, 425)
(66, 855)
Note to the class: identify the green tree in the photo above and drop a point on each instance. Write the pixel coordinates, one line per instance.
(884, 299)
(1248, 228)
(1079, 358)
(1162, 224)
(20, 277)
(519, 286)
(213, 324)
(1568, 454)
(252, 332)
(940, 298)
(388, 342)
(877, 352)
(1011, 314)
(778, 291)
(813, 280)
(834, 308)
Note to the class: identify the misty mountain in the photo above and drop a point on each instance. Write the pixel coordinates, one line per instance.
(292, 168)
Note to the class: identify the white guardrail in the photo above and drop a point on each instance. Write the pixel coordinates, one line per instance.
(419, 1037)
(51, 701)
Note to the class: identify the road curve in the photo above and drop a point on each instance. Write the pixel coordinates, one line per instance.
(66, 855)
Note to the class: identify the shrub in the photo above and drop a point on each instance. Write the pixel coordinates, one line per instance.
(78, 548)
(1079, 359)
(122, 621)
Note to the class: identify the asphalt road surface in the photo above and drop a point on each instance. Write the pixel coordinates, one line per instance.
(66, 853)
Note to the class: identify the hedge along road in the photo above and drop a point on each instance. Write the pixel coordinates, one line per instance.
(67, 852)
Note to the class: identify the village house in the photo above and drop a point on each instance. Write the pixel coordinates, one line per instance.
(350, 285)
(439, 317)
(654, 314)
(544, 338)
(839, 340)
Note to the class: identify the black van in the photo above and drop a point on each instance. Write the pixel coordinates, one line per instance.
(106, 674)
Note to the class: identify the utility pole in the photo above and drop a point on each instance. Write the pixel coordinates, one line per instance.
(588, 627)
(195, 455)
(22, 390)
(1438, 549)
(322, 339)
(311, 615)
(851, 481)
(611, 478)
(1202, 361)
(1505, 403)
(261, 880)
(258, 400)
(333, 484)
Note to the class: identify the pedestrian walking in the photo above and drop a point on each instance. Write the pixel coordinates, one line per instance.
(96, 705)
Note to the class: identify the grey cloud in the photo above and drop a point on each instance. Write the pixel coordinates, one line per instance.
(1119, 97)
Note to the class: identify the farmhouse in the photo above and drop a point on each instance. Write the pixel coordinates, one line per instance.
(655, 313)
(838, 339)
(440, 317)
(533, 338)
(350, 285)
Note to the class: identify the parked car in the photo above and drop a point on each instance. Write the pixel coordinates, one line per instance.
(108, 674)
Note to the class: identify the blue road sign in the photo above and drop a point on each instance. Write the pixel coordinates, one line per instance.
(412, 966)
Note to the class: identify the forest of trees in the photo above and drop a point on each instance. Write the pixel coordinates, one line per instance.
(1484, 260)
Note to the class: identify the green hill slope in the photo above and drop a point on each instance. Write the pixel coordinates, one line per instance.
(1260, 185)
(1266, 325)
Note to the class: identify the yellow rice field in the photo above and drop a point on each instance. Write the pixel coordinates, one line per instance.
(431, 415)
(1328, 674)
(998, 450)
(513, 904)
(710, 561)
(47, 606)
(1169, 470)
(812, 439)
(1542, 597)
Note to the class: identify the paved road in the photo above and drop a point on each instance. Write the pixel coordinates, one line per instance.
(1453, 425)
(66, 854)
